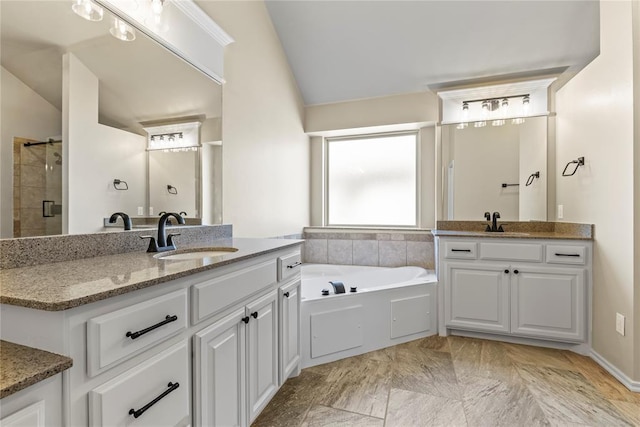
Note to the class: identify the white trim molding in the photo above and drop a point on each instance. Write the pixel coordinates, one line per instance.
(617, 373)
(199, 17)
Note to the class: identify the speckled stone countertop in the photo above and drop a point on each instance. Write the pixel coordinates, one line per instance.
(24, 366)
(64, 285)
(516, 230)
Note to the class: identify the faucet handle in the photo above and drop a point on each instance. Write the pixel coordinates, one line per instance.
(487, 216)
(153, 246)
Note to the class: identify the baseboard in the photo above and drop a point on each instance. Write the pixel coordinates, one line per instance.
(617, 373)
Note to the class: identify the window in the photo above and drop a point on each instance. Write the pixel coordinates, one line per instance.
(372, 180)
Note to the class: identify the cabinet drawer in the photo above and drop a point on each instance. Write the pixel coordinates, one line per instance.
(213, 295)
(164, 376)
(460, 250)
(288, 265)
(116, 336)
(559, 254)
(531, 252)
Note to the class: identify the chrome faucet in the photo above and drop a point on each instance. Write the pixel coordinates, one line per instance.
(165, 242)
(125, 219)
(494, 222)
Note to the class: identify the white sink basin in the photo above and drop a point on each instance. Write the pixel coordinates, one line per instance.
(197, 253)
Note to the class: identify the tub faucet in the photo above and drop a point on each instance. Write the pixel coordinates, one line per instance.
(494, 222)
(125, 219)
(165, 242)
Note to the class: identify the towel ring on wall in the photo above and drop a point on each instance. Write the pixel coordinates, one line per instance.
(578, 163)
(119, 184)
(532, 177)
(171, 189)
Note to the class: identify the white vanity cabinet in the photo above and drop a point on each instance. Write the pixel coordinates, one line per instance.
(525, 288)
(202, 350)
(236, 365)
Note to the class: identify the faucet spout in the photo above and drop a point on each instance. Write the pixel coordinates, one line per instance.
(494, 222)
(162, 237)
(125, 219)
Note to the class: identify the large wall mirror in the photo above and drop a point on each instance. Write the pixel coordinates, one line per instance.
(495, 168)
(74, 101)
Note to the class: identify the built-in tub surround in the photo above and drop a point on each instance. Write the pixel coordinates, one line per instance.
(389, 306)
(369, 247)
(28, 251)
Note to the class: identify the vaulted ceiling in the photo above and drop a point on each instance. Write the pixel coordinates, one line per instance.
(343, 50)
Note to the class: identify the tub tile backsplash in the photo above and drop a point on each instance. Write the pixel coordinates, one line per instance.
(391, 248)
(392, 253)
(315, 251)
(340, 252)
(365, 252)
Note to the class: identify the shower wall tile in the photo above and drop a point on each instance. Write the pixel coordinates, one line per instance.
(340, 252)
(392, 253)
(365, 252)
(34, 156)
(315, 251)
(32, 176)
(420, 254)
(31, 197)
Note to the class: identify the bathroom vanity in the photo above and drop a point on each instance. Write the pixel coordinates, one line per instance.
(517, 285)
(163, 342)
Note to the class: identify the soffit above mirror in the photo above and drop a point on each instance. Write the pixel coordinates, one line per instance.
(515, 92)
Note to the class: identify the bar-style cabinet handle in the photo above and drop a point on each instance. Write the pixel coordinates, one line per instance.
(134, 335)
(137, 412)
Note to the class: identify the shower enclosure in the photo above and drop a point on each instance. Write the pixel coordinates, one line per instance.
(37, 187)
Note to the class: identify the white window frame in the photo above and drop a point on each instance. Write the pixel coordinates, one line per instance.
(326, 166)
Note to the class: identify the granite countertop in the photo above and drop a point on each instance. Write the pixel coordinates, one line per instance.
(64, 285)
(516, 230)
(24, 366)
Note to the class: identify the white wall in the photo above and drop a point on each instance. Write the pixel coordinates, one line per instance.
(95, 155)
(484, 159)
(595, 120)
(25, 114)
(179, 170)
(265, 150)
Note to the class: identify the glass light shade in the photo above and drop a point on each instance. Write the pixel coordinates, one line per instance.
(122, 31)
(498, 122)
(526, 105)
(480, 124)
(88, 10)
(462, 125)
(517, 121)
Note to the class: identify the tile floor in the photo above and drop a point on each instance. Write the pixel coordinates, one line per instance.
(455, 381)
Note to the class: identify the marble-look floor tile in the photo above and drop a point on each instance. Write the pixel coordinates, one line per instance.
(358, 385)
(330, 417)
(606, 384)
(290, 405)
(631, 410)
(407, 408)
(566, 396)
(425, 371)
(492, 402)
(539, 356)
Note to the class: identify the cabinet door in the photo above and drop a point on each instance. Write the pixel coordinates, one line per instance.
(289, 296)
(219, 373)
(31, 416)
(262, 352)
(548, 303)
(477, 296)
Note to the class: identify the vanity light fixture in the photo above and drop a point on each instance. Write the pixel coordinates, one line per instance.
(122, 31)
(87, 10)
(494, 109)
(174, 137)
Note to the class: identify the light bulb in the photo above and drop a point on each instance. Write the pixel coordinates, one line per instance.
(465, 111)
(485, 109)
(87, 10)
(156, 6)
(122, 31)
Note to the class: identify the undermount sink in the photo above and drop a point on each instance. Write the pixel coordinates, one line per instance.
(195, 253)
(514, 233)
